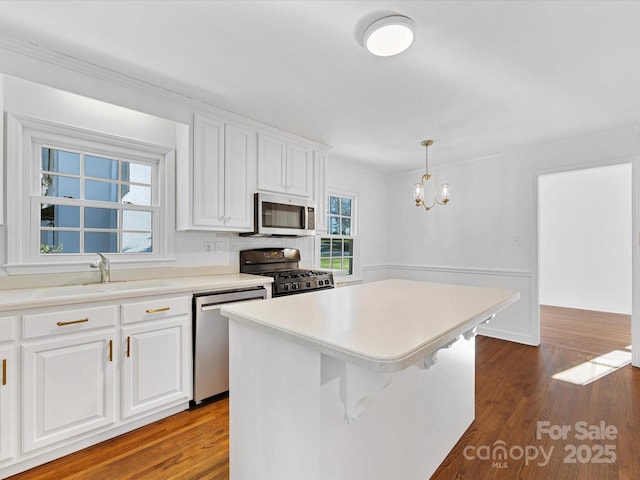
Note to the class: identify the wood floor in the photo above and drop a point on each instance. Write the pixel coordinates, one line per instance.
(514, 391)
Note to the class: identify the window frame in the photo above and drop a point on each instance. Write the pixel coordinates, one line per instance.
(343, 275)
(25, 138)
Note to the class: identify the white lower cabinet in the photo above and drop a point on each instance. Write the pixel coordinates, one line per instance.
(8, 407)
(89, 371)
(156, 367)
(154, 370)
(68, 388)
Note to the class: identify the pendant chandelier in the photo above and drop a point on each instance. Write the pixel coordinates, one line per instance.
(426, 188)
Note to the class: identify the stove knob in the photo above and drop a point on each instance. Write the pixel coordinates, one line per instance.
(308, 284)
(294, 286)
(286, 286)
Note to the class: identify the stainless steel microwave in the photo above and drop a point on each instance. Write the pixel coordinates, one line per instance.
(283, 215)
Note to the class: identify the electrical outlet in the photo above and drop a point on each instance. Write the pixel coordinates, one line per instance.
(515, 241)
(208, 247)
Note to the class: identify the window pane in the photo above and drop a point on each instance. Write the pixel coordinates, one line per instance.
(101, 191)
(346, 226)
(100, 242)
(346, 206)
(334, 225)
(136, 173)
(347, 264)
(334, 205)
(100, 218)
(60, 161)
(136, 242)
(136, 195)
(348, 247)
(336, 263)
(325, 247)
(325, 262)
(59, 242)
(336, 248)
(59, 216)
(134, 220)
(101, 167)
(57, 186)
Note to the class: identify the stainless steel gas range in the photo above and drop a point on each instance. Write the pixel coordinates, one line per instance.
(282, 265)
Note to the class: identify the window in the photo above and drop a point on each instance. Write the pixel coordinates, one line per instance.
(337, 248)
(78, 192)
(90, 203)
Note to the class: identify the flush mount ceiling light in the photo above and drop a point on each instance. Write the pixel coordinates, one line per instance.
(389, 36)
(424, 189)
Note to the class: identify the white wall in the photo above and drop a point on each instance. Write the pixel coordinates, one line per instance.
(585, 239)
(488, 235)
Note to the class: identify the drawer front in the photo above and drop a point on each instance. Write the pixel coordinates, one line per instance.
(68, 321)
(8, 329)
(155, 308)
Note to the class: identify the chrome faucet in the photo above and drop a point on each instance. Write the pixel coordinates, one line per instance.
(104, 266)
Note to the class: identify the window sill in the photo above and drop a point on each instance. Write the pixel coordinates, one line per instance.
(346, 280)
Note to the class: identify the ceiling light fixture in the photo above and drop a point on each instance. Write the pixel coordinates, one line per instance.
(441, 198)
(390, 35)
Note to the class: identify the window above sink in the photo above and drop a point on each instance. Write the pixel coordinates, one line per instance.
(80, 192)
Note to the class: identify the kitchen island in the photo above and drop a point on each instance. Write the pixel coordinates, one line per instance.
(364, 382)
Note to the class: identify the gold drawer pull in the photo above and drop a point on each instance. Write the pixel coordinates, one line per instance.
(111, 350)
(4, 371)
(72, 322)
(157, 310)
(128, 346)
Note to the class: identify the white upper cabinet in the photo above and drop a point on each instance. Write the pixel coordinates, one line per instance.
(319, 190)
(240, 176)
(215, 194)
(284, 166)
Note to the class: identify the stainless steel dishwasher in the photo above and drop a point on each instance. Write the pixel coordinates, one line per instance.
(211, 339)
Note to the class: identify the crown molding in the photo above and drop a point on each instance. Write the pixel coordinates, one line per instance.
(69, 62)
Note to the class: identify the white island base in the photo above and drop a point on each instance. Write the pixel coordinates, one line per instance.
(297, 413)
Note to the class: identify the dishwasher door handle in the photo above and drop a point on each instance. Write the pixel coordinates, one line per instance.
(206, 307)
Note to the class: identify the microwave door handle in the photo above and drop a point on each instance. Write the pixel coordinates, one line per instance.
(305, 219)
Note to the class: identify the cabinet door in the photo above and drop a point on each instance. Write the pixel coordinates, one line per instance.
(299, 170)
(272, 158)
(208, 172)
(69, 388)
(8, 410)
(319, 190)
(240, 177)
(156, 366)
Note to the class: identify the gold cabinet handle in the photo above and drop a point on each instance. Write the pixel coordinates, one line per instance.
(128, 346)
(4, 371)
(72, 322)
(157, 310)
(111, 350)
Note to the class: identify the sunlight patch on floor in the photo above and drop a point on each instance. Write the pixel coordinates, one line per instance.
(595, 368)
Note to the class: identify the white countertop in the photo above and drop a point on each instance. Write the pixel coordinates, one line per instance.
(385, 326)
(67, 295)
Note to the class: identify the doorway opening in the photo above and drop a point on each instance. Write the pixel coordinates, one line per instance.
(585, 260)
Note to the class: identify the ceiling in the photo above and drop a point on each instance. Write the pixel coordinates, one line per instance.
(481, 78)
